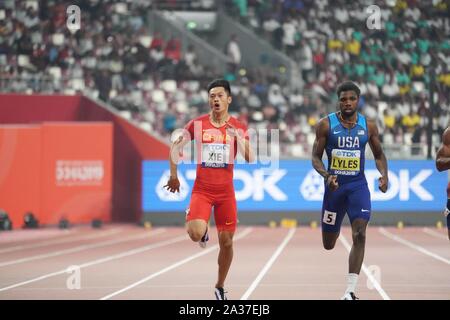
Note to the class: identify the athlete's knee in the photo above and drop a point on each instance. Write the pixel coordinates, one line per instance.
(329, 245)
(359, 236)
(196, 229)
(195, 235)
(225, 242)
(329, 240)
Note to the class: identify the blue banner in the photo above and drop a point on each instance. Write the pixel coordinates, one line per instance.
(414, 185)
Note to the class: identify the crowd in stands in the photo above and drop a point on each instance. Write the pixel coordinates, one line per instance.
(153, 81)
(394, 62)
(113, 57)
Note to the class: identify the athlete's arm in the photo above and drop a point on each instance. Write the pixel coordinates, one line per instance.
(318, 148)
(378, 154)
(174, 184)
(443, 153)
(245, 150)
(243, 144)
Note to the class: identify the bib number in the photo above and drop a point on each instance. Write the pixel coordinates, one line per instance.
(329, 217)
(215, 155)
(345, 162)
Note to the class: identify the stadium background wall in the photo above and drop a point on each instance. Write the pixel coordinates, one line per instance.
(130, 144)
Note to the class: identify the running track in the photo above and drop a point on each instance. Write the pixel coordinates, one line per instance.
(130, 262)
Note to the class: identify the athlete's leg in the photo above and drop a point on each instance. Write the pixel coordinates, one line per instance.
(332, 214)
(447, 215)
(197, 215)
(329, 239)
(359, 214)
(356, 256)
(448, 226)
(196, 229)
(225, 256)
(225, 215)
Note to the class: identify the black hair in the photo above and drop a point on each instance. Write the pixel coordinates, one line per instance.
(220, 83)
(348, 86)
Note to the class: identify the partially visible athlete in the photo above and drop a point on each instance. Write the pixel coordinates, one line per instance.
(443, 163)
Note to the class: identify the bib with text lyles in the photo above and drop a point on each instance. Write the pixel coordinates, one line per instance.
(215, 155)
(345, 148)
(345, 162)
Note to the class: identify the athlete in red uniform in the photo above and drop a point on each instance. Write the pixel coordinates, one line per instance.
(218, 136)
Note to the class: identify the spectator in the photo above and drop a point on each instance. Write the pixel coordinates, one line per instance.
(233, 51)
(172, 50)
(289, 36)
(307, 60)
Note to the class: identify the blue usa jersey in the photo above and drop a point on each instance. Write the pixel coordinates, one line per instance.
(345, 149)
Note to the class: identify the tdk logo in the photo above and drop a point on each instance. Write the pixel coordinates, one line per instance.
(259, 185)
(401, 185)
(255, 185)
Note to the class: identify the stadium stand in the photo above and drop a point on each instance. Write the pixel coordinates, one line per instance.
(153, 81)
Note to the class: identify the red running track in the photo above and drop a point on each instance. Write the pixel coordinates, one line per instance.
(130, 262)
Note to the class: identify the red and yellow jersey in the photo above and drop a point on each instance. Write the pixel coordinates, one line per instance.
(215, 153)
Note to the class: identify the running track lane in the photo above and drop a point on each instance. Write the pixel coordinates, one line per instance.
(302, 270)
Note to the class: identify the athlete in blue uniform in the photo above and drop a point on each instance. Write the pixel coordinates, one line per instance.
(344, 135)
(443, 163)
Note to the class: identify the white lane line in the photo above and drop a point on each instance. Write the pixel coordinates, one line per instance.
(434, 233)
(75, 249)
(102, 260)
(268, 264)
(305, 286)
(23, 236)
(173, 266)
(369, 275)
(412, 245)
(65, 240)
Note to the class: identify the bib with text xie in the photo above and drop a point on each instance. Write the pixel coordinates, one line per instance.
(215, 155)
